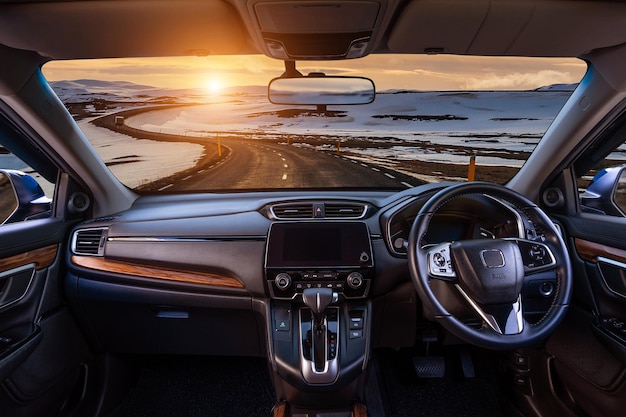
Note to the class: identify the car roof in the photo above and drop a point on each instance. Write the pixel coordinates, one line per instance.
(317, 29)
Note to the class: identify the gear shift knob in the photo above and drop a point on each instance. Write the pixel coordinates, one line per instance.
(317, 299)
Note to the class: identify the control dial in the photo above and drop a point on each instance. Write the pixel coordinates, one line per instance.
(282, 281)
(355, 280)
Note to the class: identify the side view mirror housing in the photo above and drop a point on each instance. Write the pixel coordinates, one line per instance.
(607, 192)
(21, 197)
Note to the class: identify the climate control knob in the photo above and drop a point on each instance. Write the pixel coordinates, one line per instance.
(282, 281)
(354, 280)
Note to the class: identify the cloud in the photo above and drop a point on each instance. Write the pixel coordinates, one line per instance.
(519, 81)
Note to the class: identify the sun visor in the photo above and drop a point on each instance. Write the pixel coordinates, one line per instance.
(435, 26)
(301, 30)
(508, 28)
(110, 29)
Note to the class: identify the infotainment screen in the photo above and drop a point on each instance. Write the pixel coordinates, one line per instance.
(315, 245)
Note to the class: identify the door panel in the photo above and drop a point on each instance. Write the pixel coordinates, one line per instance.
(41, 348)
(588, 350)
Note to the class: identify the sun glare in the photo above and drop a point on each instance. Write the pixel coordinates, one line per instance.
(214, 85)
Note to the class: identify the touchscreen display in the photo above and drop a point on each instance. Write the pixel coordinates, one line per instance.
(311, 245)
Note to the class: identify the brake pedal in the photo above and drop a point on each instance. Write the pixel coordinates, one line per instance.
(429, 366)
(467, 364)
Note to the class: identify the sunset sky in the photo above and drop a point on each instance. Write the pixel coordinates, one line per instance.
(440, 72)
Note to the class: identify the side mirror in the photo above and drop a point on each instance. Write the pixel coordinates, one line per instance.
(21, 197)
(607, 192)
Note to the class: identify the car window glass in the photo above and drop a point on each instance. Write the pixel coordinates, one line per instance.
(434, 118)
(24, 194)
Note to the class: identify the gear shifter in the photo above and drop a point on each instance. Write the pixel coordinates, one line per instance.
(317, 299)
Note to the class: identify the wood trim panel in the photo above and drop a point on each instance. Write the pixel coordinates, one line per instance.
(359, 410)
(146, 271)
(590, 251)
(41, 257)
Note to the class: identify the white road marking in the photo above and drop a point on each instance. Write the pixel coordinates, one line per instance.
(389, 175)
(376, 169)
(202, 170)
(286, 166)
(283, 158)
(187, 177)
(166, 187)
(364, 165)
(284, 176)
(406, 184)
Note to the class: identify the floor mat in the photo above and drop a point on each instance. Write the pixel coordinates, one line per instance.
(405, 395)
(199, 387)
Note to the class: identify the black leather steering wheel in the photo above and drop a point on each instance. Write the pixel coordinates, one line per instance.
(489, 273)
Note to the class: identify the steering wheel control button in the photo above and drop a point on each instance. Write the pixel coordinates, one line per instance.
(440, 262)
(538, 253)
(535, 255)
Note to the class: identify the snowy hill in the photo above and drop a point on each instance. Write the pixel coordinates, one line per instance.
(85, 91)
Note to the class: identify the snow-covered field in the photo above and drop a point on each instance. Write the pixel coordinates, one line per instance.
(398, 125)
(484, 121)
(139, 161)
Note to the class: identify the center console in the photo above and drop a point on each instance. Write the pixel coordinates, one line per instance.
(318, 275)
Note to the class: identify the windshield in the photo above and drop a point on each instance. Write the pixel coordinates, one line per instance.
(206, 124)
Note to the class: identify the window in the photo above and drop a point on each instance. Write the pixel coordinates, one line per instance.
(602, 179)
(433, 119)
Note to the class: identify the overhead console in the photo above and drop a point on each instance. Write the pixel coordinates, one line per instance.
(317, 29)
(333, 255)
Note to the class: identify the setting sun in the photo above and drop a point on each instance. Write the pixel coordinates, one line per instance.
(214, 85)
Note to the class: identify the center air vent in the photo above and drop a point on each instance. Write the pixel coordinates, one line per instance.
(293, 211)
(318, 210)
(345, 210)
(89, 241)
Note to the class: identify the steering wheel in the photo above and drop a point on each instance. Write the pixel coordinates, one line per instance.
(489, 273)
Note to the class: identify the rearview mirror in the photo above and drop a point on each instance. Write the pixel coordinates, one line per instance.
(321, 90)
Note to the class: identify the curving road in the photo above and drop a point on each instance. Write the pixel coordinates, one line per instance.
(257, 165)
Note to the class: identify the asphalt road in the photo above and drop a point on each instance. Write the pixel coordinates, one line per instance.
(258, 165)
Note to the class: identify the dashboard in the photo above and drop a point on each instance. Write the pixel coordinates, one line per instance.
(179, 267)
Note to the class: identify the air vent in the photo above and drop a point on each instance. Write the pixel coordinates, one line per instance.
(345, 210)
(89, 241)
(293, 211)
